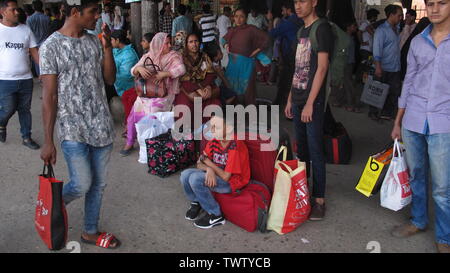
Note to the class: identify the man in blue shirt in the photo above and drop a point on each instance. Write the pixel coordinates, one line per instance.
(423, 123)
(182, 22)
(386, 52)
(286, 31)
(40, 26)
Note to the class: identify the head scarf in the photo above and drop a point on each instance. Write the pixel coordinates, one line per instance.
(196, 68)
(117, 15)
(156, 48)
(180, 40)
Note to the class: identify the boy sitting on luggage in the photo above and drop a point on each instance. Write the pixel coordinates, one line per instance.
(224, 167)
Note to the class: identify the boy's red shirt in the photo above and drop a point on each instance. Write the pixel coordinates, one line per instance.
(233, 159)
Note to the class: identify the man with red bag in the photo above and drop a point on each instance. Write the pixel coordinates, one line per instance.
(75, 66)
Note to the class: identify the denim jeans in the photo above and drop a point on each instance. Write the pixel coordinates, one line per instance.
(87, 170)
(309, 138)
(193, 181)
(16, 96)
(429, 154)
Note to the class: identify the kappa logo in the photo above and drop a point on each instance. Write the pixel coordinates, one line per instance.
(14, 45)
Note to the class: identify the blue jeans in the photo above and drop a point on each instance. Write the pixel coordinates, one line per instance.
(16, 96)
(309, 138)
(429, 154)
(193, 181)
(87, 169)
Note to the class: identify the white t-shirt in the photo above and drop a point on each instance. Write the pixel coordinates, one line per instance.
(15, 43)
(223, 23)
(366, 37)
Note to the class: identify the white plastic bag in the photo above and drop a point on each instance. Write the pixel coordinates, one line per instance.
(152, 125)
(396, 192)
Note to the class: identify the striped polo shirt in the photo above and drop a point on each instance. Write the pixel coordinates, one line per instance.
(208, 25)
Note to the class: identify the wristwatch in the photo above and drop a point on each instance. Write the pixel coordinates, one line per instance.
(202, 158)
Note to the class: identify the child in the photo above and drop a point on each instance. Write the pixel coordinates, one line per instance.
(224, 167)
(227, 95)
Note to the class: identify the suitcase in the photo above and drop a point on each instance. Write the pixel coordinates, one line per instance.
(248, 207)
(338, 147)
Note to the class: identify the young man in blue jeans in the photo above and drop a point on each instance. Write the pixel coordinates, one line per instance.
(74, 98)
(17, 43)
(224, 167)
(307, 97)
(423, 122)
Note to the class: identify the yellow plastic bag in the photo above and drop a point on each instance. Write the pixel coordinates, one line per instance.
(373, 175)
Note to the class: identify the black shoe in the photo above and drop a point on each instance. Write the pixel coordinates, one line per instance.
(2, 134)
(209, 221)
(31, 144)
(193, 211)
(124, 153)
(317, 212)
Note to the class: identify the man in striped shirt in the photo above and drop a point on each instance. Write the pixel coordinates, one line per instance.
(208, 25)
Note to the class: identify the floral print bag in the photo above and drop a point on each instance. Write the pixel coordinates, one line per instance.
(167, 156)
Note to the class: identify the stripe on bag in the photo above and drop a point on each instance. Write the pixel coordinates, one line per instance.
(335, 150)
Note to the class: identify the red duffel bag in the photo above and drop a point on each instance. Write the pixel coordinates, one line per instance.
(51, 216)
(248, 208)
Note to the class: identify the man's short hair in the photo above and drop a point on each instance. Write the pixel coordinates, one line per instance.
(392, 9)
(4, 3)
(83, 4)
(206, 8)
(288, 4)
(227, 9)
(412, 12)
(372, 13)
(37, 5)
(182, 9)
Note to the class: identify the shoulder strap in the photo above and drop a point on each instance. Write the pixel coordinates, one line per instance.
(313, 33)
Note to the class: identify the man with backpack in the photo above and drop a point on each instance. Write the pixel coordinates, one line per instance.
(306, 102)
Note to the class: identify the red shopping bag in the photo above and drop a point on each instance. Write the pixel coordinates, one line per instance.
(51, 217)
(290, 206)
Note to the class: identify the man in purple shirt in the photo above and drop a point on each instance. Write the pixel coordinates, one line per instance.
(423, 122)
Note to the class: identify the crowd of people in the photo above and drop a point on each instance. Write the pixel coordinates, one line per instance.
(220, 59)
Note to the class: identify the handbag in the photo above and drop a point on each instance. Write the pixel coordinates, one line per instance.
(290, 206)
(375, 93)
(148, 88)
(374, 172)
(166, 156)
(396, 192)
(51, 216)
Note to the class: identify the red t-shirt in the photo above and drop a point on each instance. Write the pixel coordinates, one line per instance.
(232, 159)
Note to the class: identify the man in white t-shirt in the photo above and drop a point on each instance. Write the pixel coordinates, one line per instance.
(108, 16)
(366, 30)
(223, 23)
(365, 36)
(17, 42)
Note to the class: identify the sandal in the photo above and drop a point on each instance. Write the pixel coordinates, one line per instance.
(104, 240)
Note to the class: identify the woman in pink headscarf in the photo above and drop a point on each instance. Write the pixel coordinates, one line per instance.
(172, 67)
